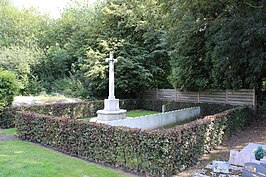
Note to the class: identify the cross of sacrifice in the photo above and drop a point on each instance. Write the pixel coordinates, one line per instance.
(111, 61)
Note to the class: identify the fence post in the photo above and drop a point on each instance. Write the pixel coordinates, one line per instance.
(226, 96)
(157, 93)
(175, 95)
(198, 96)
(254, 98)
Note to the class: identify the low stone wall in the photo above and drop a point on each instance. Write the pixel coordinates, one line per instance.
(157, 120)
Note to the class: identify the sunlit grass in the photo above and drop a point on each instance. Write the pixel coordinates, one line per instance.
(140, 112)
(130, 114)
(12, 131)
(23, 159)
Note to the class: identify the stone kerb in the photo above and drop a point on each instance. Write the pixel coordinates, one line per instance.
(157, 120)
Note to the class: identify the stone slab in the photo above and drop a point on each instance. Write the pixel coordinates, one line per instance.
(245, 155)
(249, 149)
(220, 167)
(253, 169)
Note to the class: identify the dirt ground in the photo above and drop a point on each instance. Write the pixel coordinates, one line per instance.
(255, 133)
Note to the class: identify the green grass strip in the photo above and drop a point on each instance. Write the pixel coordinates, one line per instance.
(23, 159)
(11, 131)
(140, 112)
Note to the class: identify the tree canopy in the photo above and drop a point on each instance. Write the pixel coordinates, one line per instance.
(192, 45)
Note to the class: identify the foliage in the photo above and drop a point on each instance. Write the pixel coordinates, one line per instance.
(82, 43)
(26, 159)
(205, 108)
(8, 88)
(19, 27)
(215, 44)
(195, 45)
(259, 153)
(89, 109)
(154, 153)
(21, 61)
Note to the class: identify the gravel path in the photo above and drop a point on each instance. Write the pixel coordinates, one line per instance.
(7, 137)
(255, 133)
(38, 100)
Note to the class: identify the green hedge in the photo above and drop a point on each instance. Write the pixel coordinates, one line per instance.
(153, 153)
(7, 118)
(67, 110)
(8, 88)
(205, 108)
(89, 108)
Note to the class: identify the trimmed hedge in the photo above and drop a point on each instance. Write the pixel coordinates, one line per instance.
(205, 108)
(154, 153)
(67, 110)
(89, 108)
(8, 88)
(7, 118)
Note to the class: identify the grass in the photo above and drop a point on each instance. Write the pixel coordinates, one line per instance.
(23, 159)
(140, 112)
(12, 131)
(170, 126)
(133, 113)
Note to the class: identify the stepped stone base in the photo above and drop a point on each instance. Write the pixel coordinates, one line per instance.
(111, 111)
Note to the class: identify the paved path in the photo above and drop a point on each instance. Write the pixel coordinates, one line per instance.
(7, 137)
(38, 100)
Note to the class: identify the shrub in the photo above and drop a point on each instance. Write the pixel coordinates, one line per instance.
(21, 60)
(154, 153)
(8, 88)
(89, 108)
(205, 108)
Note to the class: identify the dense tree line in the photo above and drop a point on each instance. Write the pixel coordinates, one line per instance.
(217, 44)
(185, 44)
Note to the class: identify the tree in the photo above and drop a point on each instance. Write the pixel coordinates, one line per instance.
(216, 44)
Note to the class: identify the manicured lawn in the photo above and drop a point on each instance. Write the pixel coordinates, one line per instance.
(140, 112)
(23, 159)
(133, 113)
(12, 131)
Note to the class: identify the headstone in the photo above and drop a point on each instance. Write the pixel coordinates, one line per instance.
(163, 108)
(220, 167)
(263, 162)
(239, 159)
(253, 169)
(245, 155)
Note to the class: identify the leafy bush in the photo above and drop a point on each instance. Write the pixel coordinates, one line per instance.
(205, 108)
(89, 108)
(154, 153)
(21, 61)
(8, 88)
(69, 86)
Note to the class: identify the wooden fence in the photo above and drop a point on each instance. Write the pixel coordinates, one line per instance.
(239, 97)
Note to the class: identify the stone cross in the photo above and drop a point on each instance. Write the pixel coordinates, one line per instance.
(111, 61)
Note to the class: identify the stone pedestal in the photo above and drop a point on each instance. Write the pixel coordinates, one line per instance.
(111, 111)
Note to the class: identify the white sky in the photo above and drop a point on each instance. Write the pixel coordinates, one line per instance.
(53, 7)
